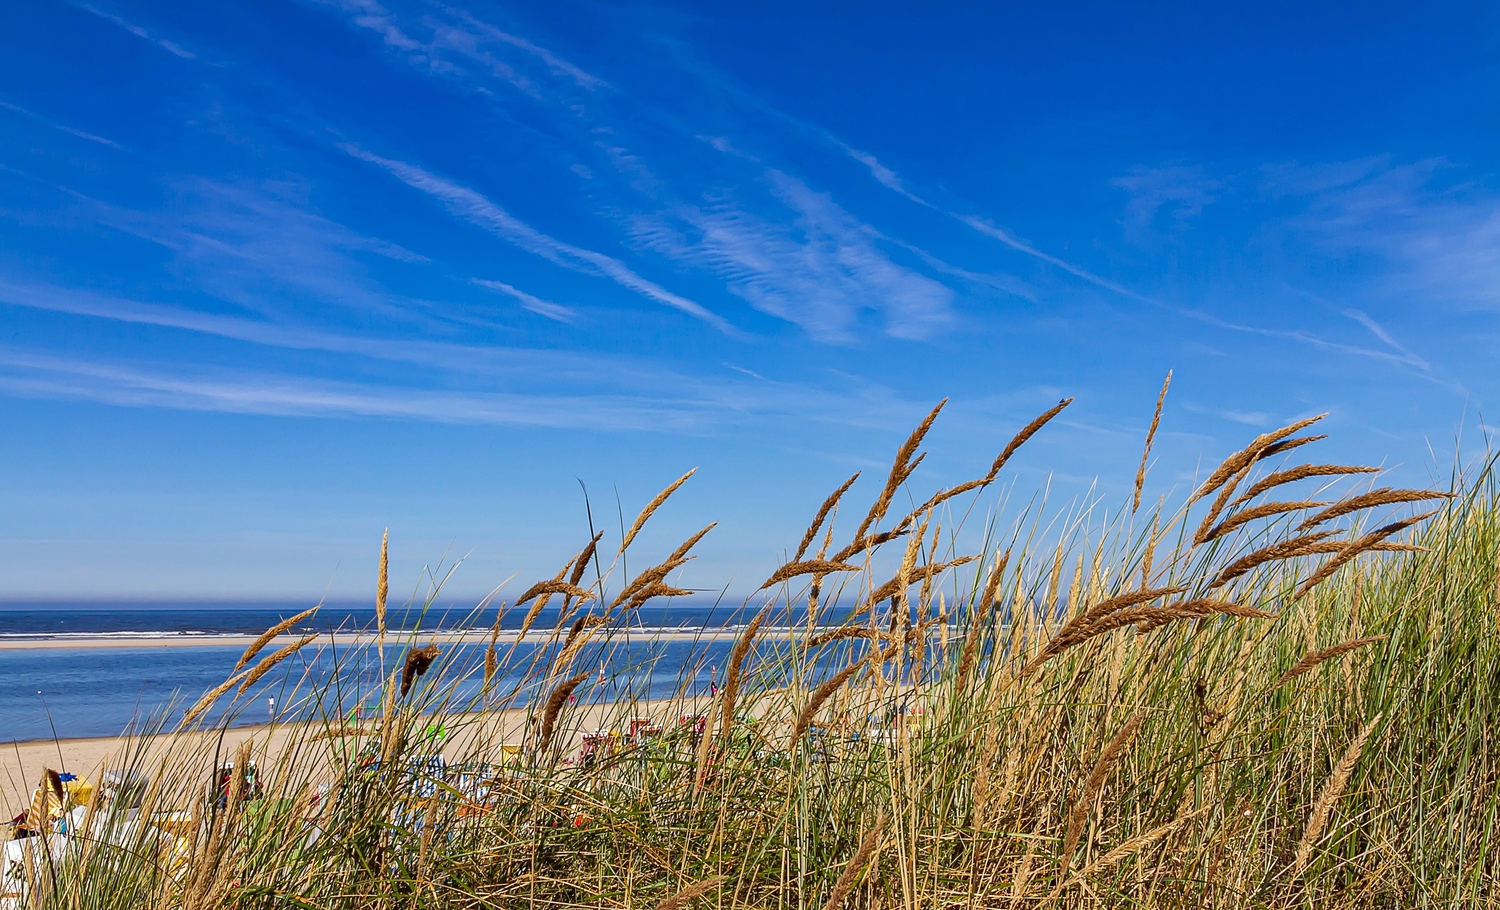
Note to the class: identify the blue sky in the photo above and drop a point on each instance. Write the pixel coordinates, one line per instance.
(275, 276)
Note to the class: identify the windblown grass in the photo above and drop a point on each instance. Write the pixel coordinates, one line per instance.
(1249, 718)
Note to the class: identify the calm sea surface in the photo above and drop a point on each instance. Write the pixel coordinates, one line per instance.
(74, 692)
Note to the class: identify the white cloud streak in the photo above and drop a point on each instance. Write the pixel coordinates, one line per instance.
(989, 230)
(462, 43)
(819, 271)
(482, 212)
(553, 62)
(164, 44)
(553, 311)
(261, 246)
(688, 407)
(1181, 190)
(882, 174)
(16, 108)
(1401, 356)
(1442, 244)
(506, 362)
(34, 375)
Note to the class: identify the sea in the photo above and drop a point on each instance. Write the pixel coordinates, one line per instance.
(70, 692)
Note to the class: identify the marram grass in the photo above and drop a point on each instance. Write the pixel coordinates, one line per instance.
(1185, 724)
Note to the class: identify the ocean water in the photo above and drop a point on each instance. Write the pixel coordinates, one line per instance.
(75, 692)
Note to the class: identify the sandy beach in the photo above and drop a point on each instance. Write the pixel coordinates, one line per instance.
(23, 763)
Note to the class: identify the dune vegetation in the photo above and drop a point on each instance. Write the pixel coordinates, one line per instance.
(1276, 692)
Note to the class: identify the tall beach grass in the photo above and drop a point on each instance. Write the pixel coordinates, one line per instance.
(1275, 693)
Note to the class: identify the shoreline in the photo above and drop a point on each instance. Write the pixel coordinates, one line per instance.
(344, 639)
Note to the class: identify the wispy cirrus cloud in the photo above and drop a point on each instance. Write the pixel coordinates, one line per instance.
(685, 405)
(1177, 191)
(483, 362)
(792, 252)
(261, 245)
(30, 115)
(820, 270)
(170, 47)
(483, 31)
(554, 311)
(882, 174)
(254, 392)
(1198, 195)
(989, 229)
(454, 43)
(482, 212)
(1440, 242)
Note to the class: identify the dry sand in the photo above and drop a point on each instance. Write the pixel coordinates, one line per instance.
(23, 763)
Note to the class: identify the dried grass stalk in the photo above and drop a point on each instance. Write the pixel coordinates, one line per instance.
(491, 658)
(584, 557)
(269, 635)
(209, 697)
(1286, 445)
(856, 866)
(981, 619)
(870, 542)
(901, 469)
(682, 550)
(265, 666)
(1284, 549)
(383, 582)
(577, 627)
(823, 510)
(539, 601)
(1152, 616)
(1138, 843)
(1053, 580)
(1322, 549)
(1083, 803)
(810, 567)
(1200, 607)
(651, 507)
(1015, 443)
(1354, 548)
(843, 633)
(1092, 615)
(555, 586)
(909, 576)
(656, 590)
(733, 671)
(1025, 434)
(697, 889)
(1313, 658)
(417, 662)
(825, 691)
(1220, 502)
(1150, 554)
(1301, 472)
(1374, 498)
(1258, 447)
(651, 576)
(578, 637)
(1332, 790)
(1255, 513)
(1140, 473)
(553, 707)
